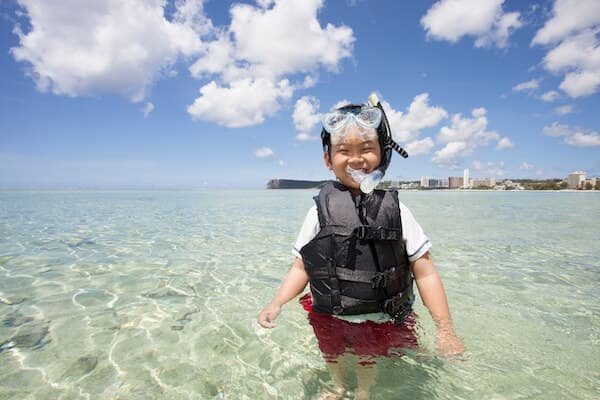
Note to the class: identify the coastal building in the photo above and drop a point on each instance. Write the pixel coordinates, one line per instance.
(589, 183)
(484, 182)
(455, 182)
(428, 182)
(576, 180)
(408, 186)
(466, 178)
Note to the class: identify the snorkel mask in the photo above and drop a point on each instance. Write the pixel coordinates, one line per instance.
(366, 117)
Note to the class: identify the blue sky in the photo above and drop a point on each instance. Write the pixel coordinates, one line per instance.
(170, 94)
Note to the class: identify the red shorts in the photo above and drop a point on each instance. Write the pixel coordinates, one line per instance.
(337, 336)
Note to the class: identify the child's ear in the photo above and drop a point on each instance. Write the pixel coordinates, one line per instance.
(327, 160)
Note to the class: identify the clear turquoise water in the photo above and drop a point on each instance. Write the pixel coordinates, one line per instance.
(154, 295)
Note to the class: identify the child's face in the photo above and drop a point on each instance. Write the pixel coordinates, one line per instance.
(357, 151)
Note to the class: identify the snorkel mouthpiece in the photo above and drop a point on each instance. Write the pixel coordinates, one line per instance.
(367, 182)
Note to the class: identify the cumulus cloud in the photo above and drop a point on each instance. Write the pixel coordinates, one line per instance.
(243, 103)
(531, 168)
(556, 129)
(148, 108)
(419, 147)
(81, 48)
(526, 167)
(485, 20)
(406, 126)
(306, 117)
(462, 137)
(564, 110)
(572, 34)
(264, 152)
(489, 168)
(550, 96)
(581, 139)
(504, 143)
(569, 16)
(526, 86)
(266, 44)
(114, 46)
(452, 154)
(576, 137)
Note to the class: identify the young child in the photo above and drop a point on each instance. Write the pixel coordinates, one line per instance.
(360, 248)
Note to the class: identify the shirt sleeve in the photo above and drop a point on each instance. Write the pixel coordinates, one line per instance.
(309, 230)
(417, 243)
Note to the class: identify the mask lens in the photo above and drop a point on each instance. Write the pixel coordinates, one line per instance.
(368, 117)
(334, 121)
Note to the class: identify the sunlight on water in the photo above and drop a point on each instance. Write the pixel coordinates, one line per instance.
(154, 295)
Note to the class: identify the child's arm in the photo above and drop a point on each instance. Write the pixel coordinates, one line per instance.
(433, 295)
(293, 284)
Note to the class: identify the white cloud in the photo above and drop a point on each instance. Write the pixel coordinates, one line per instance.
(472, 130)
(564, 110)
(569, 16)
(556, 129)
(113, 46)
(148, 108)
(264, 152)
(306, 117)
(452, 19)
(503, 27)
(581, 139)
(287, 38)
(406, 126)
(529, 85)
(489, 168)
(419, 147)
(529, 167)
(504, 143)
(462, 137)
(243, 103)
(80, 48)
(550, 96)
(573, 35)
(576, 137)
(217, 58)
(265, 44)
(526, 167)
(452, 154)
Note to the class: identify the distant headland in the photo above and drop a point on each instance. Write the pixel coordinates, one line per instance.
(294, 184)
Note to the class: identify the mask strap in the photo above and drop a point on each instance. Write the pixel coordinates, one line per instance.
(392, 144)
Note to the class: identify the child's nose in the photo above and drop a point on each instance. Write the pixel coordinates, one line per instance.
(356, 161)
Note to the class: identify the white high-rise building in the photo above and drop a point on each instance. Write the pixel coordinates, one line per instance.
(466, 178)
(575, 179)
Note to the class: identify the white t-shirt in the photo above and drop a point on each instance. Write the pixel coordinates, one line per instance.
(416, 241)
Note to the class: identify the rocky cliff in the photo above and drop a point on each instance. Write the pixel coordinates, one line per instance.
(294, 184)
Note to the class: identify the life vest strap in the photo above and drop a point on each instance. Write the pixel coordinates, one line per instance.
(348, 305)
(377, 233)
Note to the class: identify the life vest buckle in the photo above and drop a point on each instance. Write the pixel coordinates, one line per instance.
(379, 280)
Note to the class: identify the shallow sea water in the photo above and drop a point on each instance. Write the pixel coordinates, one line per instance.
(154, 295)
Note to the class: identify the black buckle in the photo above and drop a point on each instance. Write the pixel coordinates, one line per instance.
(379, 280)
(362, 232)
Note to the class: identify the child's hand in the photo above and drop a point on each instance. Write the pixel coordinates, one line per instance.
(448, 344)
(268, 315)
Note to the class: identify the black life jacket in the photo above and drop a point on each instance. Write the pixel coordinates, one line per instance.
(357, 263)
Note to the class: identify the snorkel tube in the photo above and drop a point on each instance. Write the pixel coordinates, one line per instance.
(368, 182)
